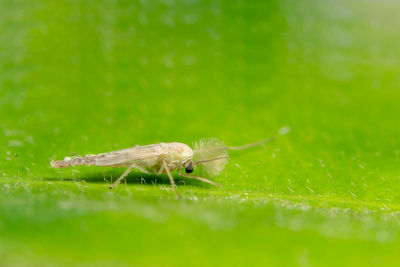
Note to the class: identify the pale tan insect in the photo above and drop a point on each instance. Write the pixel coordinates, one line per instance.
(210, 155)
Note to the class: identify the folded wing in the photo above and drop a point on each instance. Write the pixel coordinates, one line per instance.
(145, 156)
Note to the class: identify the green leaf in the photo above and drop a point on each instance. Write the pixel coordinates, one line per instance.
(86, 77)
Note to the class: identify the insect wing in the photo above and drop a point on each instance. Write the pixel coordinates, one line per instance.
(125, 157)
(210, 148)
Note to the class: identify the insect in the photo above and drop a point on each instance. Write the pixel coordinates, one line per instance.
(209, 155)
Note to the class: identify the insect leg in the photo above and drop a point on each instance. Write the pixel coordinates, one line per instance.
(127, 172)
(161, 170)
(199, 178)
(171, 179)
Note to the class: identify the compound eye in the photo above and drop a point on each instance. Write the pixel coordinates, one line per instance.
(189, 167)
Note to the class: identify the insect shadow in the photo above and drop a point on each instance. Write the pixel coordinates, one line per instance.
(110, 176)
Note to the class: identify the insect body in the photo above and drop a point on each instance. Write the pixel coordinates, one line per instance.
(157, 159)
(150, 156)
(210, 155)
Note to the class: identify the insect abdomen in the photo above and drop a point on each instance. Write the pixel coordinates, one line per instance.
(67, 162)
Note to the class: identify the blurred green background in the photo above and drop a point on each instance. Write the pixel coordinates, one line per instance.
(80, 77)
